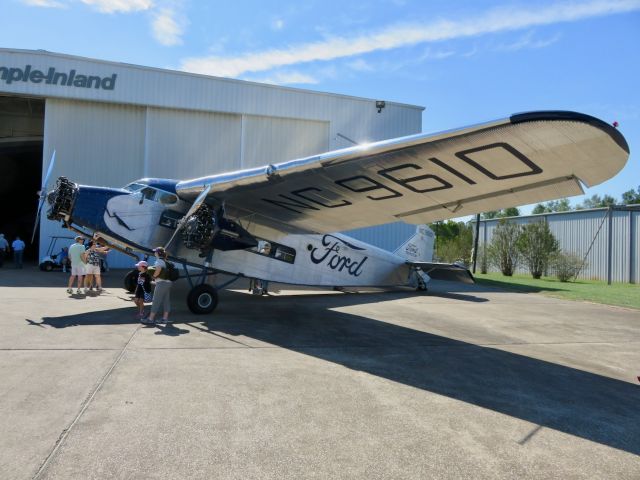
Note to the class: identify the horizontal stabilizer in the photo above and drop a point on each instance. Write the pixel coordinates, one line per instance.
(445, 271)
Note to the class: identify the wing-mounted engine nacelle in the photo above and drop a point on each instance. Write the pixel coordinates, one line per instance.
(206, 230)
(62, 199)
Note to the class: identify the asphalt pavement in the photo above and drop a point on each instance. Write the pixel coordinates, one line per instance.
(460, 382)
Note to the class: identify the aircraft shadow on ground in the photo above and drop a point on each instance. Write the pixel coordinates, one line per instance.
(587, 405)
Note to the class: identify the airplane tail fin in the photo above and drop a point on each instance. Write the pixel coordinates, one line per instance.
(419, 247)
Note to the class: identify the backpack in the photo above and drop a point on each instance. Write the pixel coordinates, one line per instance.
(172, 272)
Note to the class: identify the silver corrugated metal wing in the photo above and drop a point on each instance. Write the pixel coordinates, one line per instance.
(524, 159)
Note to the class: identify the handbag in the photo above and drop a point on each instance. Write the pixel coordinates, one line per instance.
(148, 296)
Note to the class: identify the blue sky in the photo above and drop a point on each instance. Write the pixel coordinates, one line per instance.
(465, 61)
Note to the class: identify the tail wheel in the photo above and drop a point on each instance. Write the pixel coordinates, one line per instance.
(47, 266)
(130, 280)
(202, 299)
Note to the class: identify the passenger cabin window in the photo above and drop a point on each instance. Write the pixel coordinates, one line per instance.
(274, 250)
(167, 198)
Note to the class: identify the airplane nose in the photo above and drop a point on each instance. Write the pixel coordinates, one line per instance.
(82, 205)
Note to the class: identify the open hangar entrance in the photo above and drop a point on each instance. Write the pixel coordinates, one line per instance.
(21, 142)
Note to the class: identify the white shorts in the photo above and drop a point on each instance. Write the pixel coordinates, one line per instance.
(92, 269)
(77, 269)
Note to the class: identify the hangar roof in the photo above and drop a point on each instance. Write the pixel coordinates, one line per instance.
(47, 74)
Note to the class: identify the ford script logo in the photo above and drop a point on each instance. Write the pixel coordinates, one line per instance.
(331, 256)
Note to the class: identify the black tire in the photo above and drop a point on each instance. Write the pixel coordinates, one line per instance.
(202, 299)
(47, 266)
(130, 281)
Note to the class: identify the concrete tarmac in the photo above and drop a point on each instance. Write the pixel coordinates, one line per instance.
(461, 382)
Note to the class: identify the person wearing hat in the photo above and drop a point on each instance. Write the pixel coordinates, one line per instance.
(162, 292)
(4, 248)
(78, 266)
(143, 287)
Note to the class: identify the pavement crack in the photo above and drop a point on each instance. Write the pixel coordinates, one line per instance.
(83, 407)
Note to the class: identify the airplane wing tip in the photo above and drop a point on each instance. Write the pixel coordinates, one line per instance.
(567, 115)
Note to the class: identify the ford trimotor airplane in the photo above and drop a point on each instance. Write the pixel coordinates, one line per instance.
(277, 222)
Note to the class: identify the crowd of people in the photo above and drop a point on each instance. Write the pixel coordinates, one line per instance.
(85, 270)
(17, 246)
(84, 262)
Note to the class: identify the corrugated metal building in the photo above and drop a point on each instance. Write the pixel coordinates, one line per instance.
(111, 123)
(608, 237)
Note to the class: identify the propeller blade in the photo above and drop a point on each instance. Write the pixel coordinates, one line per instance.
(196, 204)
(49, 170)
(43, 194)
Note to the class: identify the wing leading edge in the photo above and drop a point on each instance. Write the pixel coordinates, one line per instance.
(527, 158)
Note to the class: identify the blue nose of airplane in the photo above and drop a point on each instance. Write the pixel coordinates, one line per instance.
(82, 205)
(91, 204)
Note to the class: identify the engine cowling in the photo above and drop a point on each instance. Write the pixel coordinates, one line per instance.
(200, 229)
(61, 199)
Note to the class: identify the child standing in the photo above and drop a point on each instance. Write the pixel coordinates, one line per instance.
(143, 287)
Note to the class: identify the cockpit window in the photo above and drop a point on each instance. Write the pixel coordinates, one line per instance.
(149, 193)
(134, 187)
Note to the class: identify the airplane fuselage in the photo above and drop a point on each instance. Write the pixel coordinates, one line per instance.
(142, 219)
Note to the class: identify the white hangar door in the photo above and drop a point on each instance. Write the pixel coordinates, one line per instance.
(268, 140)
(185, 144)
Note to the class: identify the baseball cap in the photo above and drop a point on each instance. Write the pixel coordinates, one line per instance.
(142, 263)
(79, 237)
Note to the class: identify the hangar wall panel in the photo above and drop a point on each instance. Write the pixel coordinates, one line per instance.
(96, 144)
(388, 237)
(273, 140)
(587, 234)
(634, 242)
(186, 144)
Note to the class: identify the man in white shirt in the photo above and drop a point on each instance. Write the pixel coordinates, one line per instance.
(18, 250)
(78, 266)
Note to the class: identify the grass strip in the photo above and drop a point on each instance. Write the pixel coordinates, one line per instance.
(618, 294)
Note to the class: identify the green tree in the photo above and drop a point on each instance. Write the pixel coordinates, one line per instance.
(631, 197)
(505, 212)
(561, 205)
(537, 246)
(567, 265)
(595, 201)
(539, 208)
(490, 214)
(453, 241)
(503, 251)
(509, 212)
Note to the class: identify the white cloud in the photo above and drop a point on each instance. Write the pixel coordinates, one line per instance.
(286, 78)
(360, 65)
(430, 54)
(124, 6)
(277, 24)
(44, 3)
(527, 41)
(167, 28)
(499, 20)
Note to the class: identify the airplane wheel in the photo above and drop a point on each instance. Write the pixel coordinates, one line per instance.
(202, 299)
(130, 280)
(46, 266)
